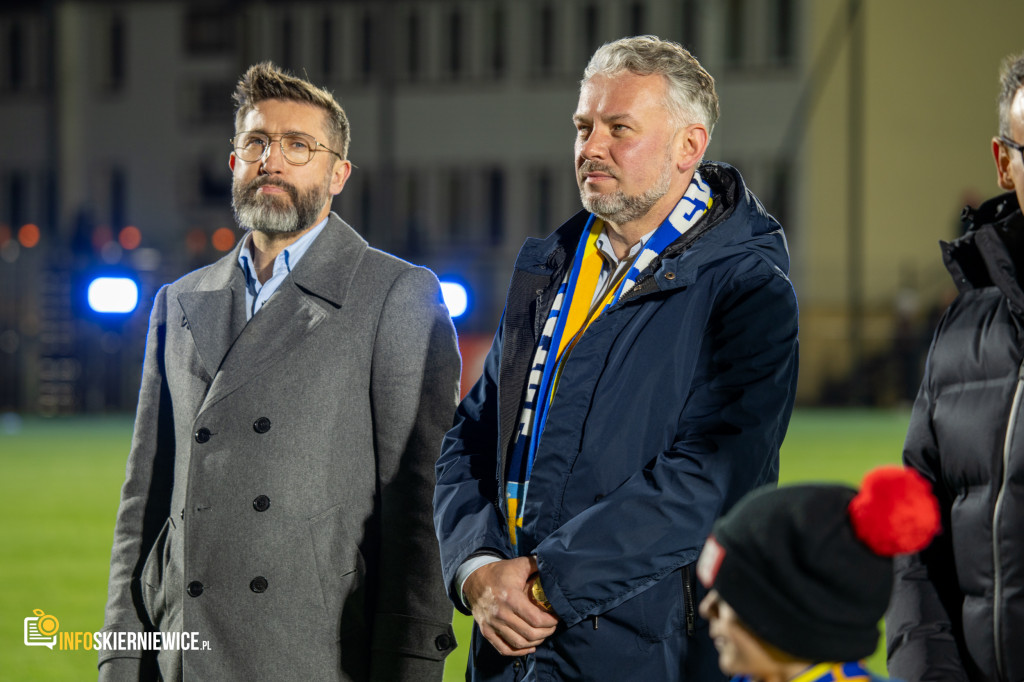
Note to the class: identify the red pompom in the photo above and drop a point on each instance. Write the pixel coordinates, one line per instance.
(895, 511)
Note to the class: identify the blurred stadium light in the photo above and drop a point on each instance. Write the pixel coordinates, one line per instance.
(456, 297)
(113, 295)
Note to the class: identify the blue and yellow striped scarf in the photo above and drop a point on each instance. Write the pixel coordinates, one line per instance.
(561, 332)
(828, 672)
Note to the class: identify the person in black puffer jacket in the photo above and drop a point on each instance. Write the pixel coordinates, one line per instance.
(957, 611)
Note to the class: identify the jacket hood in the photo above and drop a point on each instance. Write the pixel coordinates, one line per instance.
(991, 251)
(736, 221)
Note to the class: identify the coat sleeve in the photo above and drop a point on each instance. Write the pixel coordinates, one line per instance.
(467, 515)
(414, 389)
(726, 442)
(924, 612)
(144, 506)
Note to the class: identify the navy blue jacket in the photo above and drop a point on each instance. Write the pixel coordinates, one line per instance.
(671, 407)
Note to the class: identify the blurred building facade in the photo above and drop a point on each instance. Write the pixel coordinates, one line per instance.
(898, 140)
(117, 115)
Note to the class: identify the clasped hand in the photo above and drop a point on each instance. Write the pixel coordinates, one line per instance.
(497, 595)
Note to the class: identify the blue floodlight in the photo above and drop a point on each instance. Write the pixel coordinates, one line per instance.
(456, 297)
(113, 295)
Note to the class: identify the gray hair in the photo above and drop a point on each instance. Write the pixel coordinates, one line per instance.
(1011, 78)
(691, 89)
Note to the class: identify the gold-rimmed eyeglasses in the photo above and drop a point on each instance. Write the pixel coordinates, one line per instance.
(296, 148)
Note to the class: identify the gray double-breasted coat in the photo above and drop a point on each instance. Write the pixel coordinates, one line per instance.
(278, 489)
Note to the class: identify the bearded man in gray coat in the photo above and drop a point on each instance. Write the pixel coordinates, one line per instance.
(294, 396)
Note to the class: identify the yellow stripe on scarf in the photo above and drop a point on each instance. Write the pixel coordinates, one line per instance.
(586, 282)
(582, 311)
(822, 671)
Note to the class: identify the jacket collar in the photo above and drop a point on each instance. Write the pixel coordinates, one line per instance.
(214, 311)
(547, 256)
(733, 203)
(991, 251)
(318, 273)
(994, 210)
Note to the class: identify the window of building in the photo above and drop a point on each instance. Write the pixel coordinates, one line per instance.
(782, 35)
(498, 41)
(286, 32)
(455, 200)
(116, 54)
(214, 184)
(209, 31)
(17, 187)
(327, 38)
(760, 36)
(15, 57)
(637, 18)
(412, 45)
(26, 52)
(689, 31)
(366, 46)
(496, 206)
(415, 239)
(50, 198)
(589, 31)
(735, 53)
(118, 199)
(207, 102)
(544, 36)
(455, 42)
(45, 55)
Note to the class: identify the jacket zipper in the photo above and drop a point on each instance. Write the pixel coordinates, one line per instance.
(997, 577)
(688, 602)
(639, 288)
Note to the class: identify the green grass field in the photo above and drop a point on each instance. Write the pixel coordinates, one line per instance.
(59, 486)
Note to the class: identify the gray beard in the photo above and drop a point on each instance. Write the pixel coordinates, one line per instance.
(273, 215)
(618, 208)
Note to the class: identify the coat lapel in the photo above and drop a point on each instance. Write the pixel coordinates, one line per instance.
(215, 311)
(318, 285)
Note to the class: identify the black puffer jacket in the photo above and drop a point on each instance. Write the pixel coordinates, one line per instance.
(958, 607)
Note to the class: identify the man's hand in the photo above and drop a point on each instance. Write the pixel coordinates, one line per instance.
(497, 595)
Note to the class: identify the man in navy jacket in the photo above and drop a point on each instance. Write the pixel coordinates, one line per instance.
(640, 383)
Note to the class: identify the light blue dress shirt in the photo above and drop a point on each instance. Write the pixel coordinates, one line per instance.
(257, 294)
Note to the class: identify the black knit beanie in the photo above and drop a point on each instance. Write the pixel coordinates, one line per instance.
(811, 573)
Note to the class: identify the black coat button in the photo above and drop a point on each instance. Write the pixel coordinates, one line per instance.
(195, 588)
(261, 425)
(203, 435)
(258, 584)
(261, 503)
(442, 642)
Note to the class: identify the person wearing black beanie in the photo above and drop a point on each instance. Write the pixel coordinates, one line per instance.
(800, 576)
